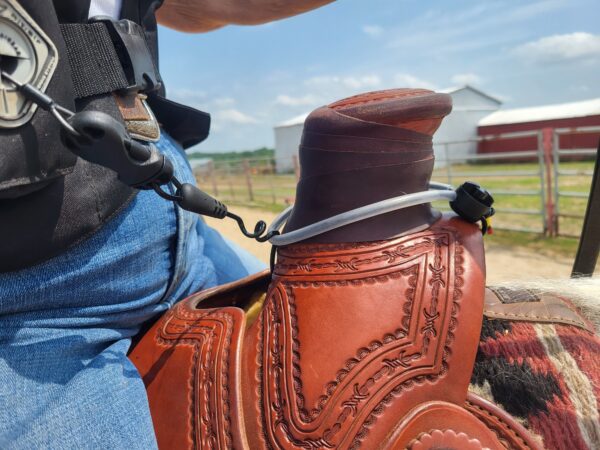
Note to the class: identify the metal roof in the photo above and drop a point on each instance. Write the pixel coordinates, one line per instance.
(298, 120)
(539, 113)
(454, 89)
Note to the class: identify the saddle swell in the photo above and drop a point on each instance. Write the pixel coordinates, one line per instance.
(190, 361)
(348, 328)
(364, 345)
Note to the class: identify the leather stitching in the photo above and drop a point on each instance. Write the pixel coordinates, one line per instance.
(531, 318)
(516, 435)
(205, 341)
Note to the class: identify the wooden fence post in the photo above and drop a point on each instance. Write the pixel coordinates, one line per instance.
(213, 180)
(231, 191)
(547, 134)
(271, 175)
(296, 167)
(248, 180)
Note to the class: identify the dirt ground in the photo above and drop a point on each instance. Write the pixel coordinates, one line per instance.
(503, 264)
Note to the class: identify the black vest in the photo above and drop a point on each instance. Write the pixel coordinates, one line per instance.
(63, 210)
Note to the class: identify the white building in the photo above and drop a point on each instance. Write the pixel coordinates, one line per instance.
(470, 105)
(287, 141)
(457, 135)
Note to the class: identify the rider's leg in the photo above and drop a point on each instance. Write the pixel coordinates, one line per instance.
(66, 324)
(221, 251)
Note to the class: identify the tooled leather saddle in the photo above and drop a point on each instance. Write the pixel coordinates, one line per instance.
(362, 337)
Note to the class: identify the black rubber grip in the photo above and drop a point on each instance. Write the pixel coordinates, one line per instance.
(195, 200)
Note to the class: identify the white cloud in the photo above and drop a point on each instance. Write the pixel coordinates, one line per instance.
(222, 102)
(360, 82)
(322, 89)
(278, 75)
(466, 78)
(234, 116)
(406, 80)
(353, 82)
(448, 30)
(186, 95)
(579, 88)
(527, 11)
(561, 47)
(372, 30)
(288, 100)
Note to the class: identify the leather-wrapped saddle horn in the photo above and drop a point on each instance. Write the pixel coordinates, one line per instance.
(362, 337)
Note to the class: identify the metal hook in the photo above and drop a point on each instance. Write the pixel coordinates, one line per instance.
(165, 195)
(54, 110)
(259, 229)
(43, 101)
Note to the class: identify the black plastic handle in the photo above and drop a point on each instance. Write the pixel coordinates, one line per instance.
(105, 141)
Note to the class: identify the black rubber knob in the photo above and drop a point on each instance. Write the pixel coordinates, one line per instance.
(472, 202)
(195, 200)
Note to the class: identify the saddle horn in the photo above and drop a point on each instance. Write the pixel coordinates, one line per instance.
(365, 149)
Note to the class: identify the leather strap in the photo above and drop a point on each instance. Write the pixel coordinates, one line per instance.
(138, 117)
(530, 307)
(508, 431)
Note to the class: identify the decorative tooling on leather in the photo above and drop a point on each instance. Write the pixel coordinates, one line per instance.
(510, 433)
(393, 333)
(429, 264)
(448, 439)
(209, 331)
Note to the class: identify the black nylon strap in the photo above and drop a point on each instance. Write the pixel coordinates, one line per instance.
(589, 242)
(95, 65)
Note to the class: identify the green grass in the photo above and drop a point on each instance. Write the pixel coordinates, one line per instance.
(275, 192)
(550, 247)
(572, 183)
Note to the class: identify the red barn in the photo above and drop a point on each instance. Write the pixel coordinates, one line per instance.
(566, 115)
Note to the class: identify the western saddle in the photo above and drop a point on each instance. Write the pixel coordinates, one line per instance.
(361, 337)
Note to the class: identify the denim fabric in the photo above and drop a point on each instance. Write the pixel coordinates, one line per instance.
(66, 325)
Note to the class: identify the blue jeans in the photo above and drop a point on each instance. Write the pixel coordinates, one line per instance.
(66, 324)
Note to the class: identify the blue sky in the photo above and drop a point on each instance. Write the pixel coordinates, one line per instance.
(251, 78)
